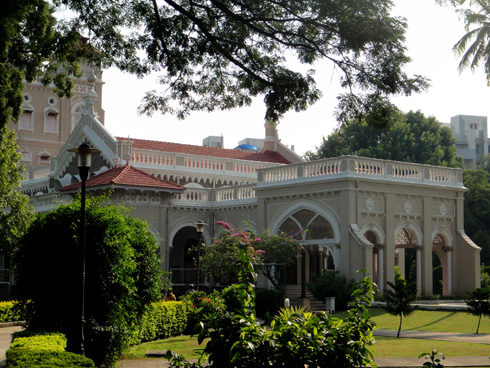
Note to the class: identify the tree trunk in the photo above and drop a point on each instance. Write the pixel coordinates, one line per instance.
(478, 327)
(399, 327)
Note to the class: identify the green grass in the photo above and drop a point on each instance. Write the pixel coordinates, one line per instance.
(184, 345)
(387, 347)
(440, 321)
(420, 320)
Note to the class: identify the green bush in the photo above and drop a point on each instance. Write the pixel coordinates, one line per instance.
(267, 300)
(162, 320)
(231, 298)
(10, 312)
(201, 305)
(331, 284)
(122, 276)
(38, 349)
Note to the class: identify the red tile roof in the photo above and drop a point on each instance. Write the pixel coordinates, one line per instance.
(127, 176)
(267, 156)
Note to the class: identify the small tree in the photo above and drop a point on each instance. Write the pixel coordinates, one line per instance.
(122, 276)
(279, 249)
(478, 303)
(399, 298)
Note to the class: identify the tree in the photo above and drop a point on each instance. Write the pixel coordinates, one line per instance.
(15, 212)
(34, 47)
(122, 276)
(477, 210)
(412, 137)
(276, 252)
(399, 297)
(474, 47)
(218, 54)
(479, 304)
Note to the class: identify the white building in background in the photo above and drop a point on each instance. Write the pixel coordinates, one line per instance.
(471, 138)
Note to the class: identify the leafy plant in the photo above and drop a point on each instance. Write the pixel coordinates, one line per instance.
(435, 359)
(295, 338)
(399, 297)
(479, 303)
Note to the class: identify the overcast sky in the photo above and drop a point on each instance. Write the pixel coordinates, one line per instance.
(431, 35)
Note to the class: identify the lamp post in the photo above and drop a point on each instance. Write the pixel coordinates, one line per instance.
(84, 154)
(200, 228)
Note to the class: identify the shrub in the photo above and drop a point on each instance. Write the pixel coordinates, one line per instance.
(122, 276)
(294, 339)
(200, 305)
(11, 311)
(162, 320)
(267, 301)
(43, 350)
(331, 284)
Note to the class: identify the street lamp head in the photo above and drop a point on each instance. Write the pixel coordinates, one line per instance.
(200, 226)
(84, 154)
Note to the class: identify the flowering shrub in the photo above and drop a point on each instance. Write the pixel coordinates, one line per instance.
(200, 305)
(219, 261)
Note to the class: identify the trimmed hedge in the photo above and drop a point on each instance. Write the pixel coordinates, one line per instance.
(10, 312)
(37, 349)
(162, 320)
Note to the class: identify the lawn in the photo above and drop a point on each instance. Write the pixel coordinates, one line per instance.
(441, 321)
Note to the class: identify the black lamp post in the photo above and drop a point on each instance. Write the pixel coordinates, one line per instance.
(200, 228)
(84, 153)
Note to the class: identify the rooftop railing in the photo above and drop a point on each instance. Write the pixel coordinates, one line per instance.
(362, 168)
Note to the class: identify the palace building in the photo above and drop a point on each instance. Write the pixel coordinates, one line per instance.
(361, 213)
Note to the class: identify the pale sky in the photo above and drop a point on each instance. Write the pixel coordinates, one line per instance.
(432, 32)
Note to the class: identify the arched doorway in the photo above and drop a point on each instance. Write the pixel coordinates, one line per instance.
(440, 264)
(406, 256)
(182, 257)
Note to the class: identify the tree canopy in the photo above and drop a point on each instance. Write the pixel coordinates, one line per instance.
(413, 137)
(216, 54)
(34, 46)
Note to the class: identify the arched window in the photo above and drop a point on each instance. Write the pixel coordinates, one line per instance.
(43, 157)
(76, 115)
(307, 225)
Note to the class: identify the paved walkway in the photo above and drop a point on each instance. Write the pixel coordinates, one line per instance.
(482, 361)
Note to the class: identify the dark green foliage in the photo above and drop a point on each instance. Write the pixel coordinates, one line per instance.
(218, 55)
(412, 137)
(15, 212)
(122, 276)
(34, 47)
(477, 210)
(162, 320)
(230, 296)
(42, 349)
(267, 301)
(399, 298)
(479, 303)
(293, 339)
(331, 284)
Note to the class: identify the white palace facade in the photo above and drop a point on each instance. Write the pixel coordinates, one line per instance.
(361, 213)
